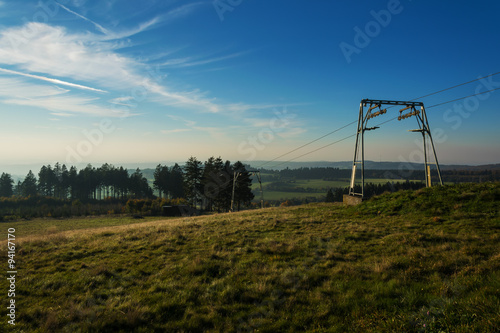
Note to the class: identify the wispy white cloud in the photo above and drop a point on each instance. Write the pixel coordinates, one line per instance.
(291, 132)
(51, 80)
(191, 62)
(187, 122)
(181, 11)
(258, 122)
(176, 62)
(68, 103)
(60, 102)
(155, 22)
(121, 99)
(54, 51)
(108, 34)
(54, 55)
(18, 88)
(239, 109)
(61, 114)
(127, 101)
(179, 130)
(215, 132)
(131, 32)
(98, 26)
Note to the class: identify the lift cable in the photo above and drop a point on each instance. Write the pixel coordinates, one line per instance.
(350, 136)
(352, 123)
(307, 144)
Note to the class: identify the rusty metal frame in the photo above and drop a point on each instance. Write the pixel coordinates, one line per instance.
(364, 117)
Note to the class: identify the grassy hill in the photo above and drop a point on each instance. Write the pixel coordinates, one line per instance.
(423, 261)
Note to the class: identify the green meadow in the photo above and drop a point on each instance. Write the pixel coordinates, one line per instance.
(410, 261)
(318, 187)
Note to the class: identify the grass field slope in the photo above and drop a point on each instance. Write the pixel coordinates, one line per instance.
(410, 261)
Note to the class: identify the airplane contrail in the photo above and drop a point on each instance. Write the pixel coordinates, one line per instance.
(97, 25)
(55, 81)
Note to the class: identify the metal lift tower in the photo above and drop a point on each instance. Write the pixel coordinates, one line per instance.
(374, 109)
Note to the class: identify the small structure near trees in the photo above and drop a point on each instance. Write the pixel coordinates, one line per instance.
(179, 210)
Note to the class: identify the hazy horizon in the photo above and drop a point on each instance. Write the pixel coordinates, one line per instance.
(20, 170)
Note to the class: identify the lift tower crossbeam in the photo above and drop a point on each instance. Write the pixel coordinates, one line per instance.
(415, 109)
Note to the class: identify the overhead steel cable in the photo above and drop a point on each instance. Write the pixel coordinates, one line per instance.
(458, 85)
(352, 123)
(458, 99)
(307, 144)
(350, 136)
(447, 102)
(315, 150)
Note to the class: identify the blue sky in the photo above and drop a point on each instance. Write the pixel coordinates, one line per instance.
(156, 81)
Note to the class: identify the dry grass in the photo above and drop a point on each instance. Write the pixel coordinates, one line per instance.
(316, 268)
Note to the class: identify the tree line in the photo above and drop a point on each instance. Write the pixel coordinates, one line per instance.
(60, 182)
(207, 186)
(329, 173)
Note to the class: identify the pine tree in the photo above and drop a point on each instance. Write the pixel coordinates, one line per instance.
(243, 186)
(18, 189)
(224, 180)
(193, 172)
(73, 182)
(6, 185)
(122, 181)
(330, 197)
(64, 182)
(221, 184)
(210, 188)
(157, 183)
(29, 185)
(138, 185)
(162, 181)
(176, 182)
(47, 181)
(43, 181)
(105, 178)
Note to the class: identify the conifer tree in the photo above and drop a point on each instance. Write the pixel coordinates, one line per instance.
(243, 186)
(193, 172)
(6, 183)
(29, 185)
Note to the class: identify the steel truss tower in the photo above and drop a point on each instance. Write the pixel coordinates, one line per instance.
(374, 109)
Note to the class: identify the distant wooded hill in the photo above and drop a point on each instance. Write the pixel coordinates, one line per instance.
(369, 165)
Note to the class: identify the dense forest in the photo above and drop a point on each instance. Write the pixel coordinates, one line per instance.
(61, 191)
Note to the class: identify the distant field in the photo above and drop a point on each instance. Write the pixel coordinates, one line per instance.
(411, 261)
(319, 185)
(276, 195)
